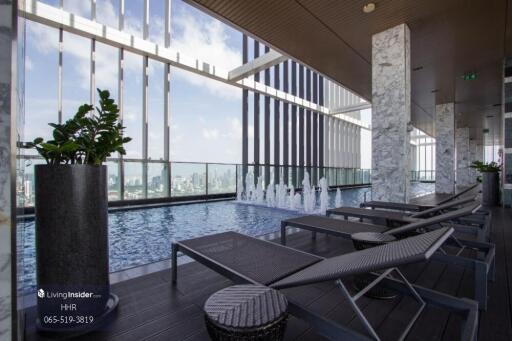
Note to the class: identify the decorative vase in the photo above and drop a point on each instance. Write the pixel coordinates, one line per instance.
(71, 208)
(490, 189)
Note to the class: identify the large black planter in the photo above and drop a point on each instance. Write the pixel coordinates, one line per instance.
(490, 189)
(72, 248)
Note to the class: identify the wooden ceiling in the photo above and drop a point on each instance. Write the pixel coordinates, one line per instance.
(448, 39)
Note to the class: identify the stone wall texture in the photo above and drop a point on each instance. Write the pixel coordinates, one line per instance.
(391, 114)
(463, 175)
(445, 148)
(6, 168)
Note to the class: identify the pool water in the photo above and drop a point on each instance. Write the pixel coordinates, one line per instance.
(144, 236)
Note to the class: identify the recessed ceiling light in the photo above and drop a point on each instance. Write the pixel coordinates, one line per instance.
(369, 7)
(497, 105)
(434, 91)
(418, 68)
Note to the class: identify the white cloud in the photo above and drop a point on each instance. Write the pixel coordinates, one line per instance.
(207, 40)
(106, 13)
(210, 134)
(28, 64)
(235, 131)
(78, 7)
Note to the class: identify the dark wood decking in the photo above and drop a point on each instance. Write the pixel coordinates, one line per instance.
(151, 309)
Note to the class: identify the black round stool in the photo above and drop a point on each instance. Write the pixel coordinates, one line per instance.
(246, 312)
(366, 240)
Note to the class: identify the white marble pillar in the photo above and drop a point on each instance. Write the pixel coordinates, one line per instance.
(473, 156)
(445, 148)
(7, 164)
(391, 114)
(463, 176)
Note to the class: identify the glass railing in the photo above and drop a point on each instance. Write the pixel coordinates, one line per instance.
(423, 175)
(134, 179)
(294, 175)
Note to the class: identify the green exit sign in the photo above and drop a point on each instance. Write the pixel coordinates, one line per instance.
(485, 131)
(470, 76)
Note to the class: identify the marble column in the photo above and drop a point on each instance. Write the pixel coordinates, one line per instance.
(473, 156)
(7, 165)
(463, 175)
(391, 114)
(445, 148)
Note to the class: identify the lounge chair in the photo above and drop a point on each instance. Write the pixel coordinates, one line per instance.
(420, 203)
(483, 266)
(477, 224)
(245, 259)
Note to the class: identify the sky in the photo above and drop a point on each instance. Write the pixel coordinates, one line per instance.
(205, 114)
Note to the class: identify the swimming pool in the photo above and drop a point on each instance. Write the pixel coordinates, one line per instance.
(144, 236)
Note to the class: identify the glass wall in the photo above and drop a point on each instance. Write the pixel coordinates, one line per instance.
(204, 115)
(157, 180)
(132, 104)
(155, 109)
(188, 179)
(114, 184)
(76, 73)
(133, 184)
(106, 74)
(41, 81)
(221, 178)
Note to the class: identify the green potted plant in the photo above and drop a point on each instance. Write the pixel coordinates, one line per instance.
(71, 209)
(490, 181)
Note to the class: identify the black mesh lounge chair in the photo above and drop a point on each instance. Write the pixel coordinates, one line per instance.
(420, 203)
(245, 259)
(477, 224)
(439, 199)
(483, 265)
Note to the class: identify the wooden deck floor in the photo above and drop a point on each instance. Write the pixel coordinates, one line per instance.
(151, 309)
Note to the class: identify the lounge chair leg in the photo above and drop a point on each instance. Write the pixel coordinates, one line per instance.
(386, 274)
(283, 233)
(313, 235)
(358, 311)
(481, 285)
(174, 263)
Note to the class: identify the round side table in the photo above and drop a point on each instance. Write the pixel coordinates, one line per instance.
(246, 312)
